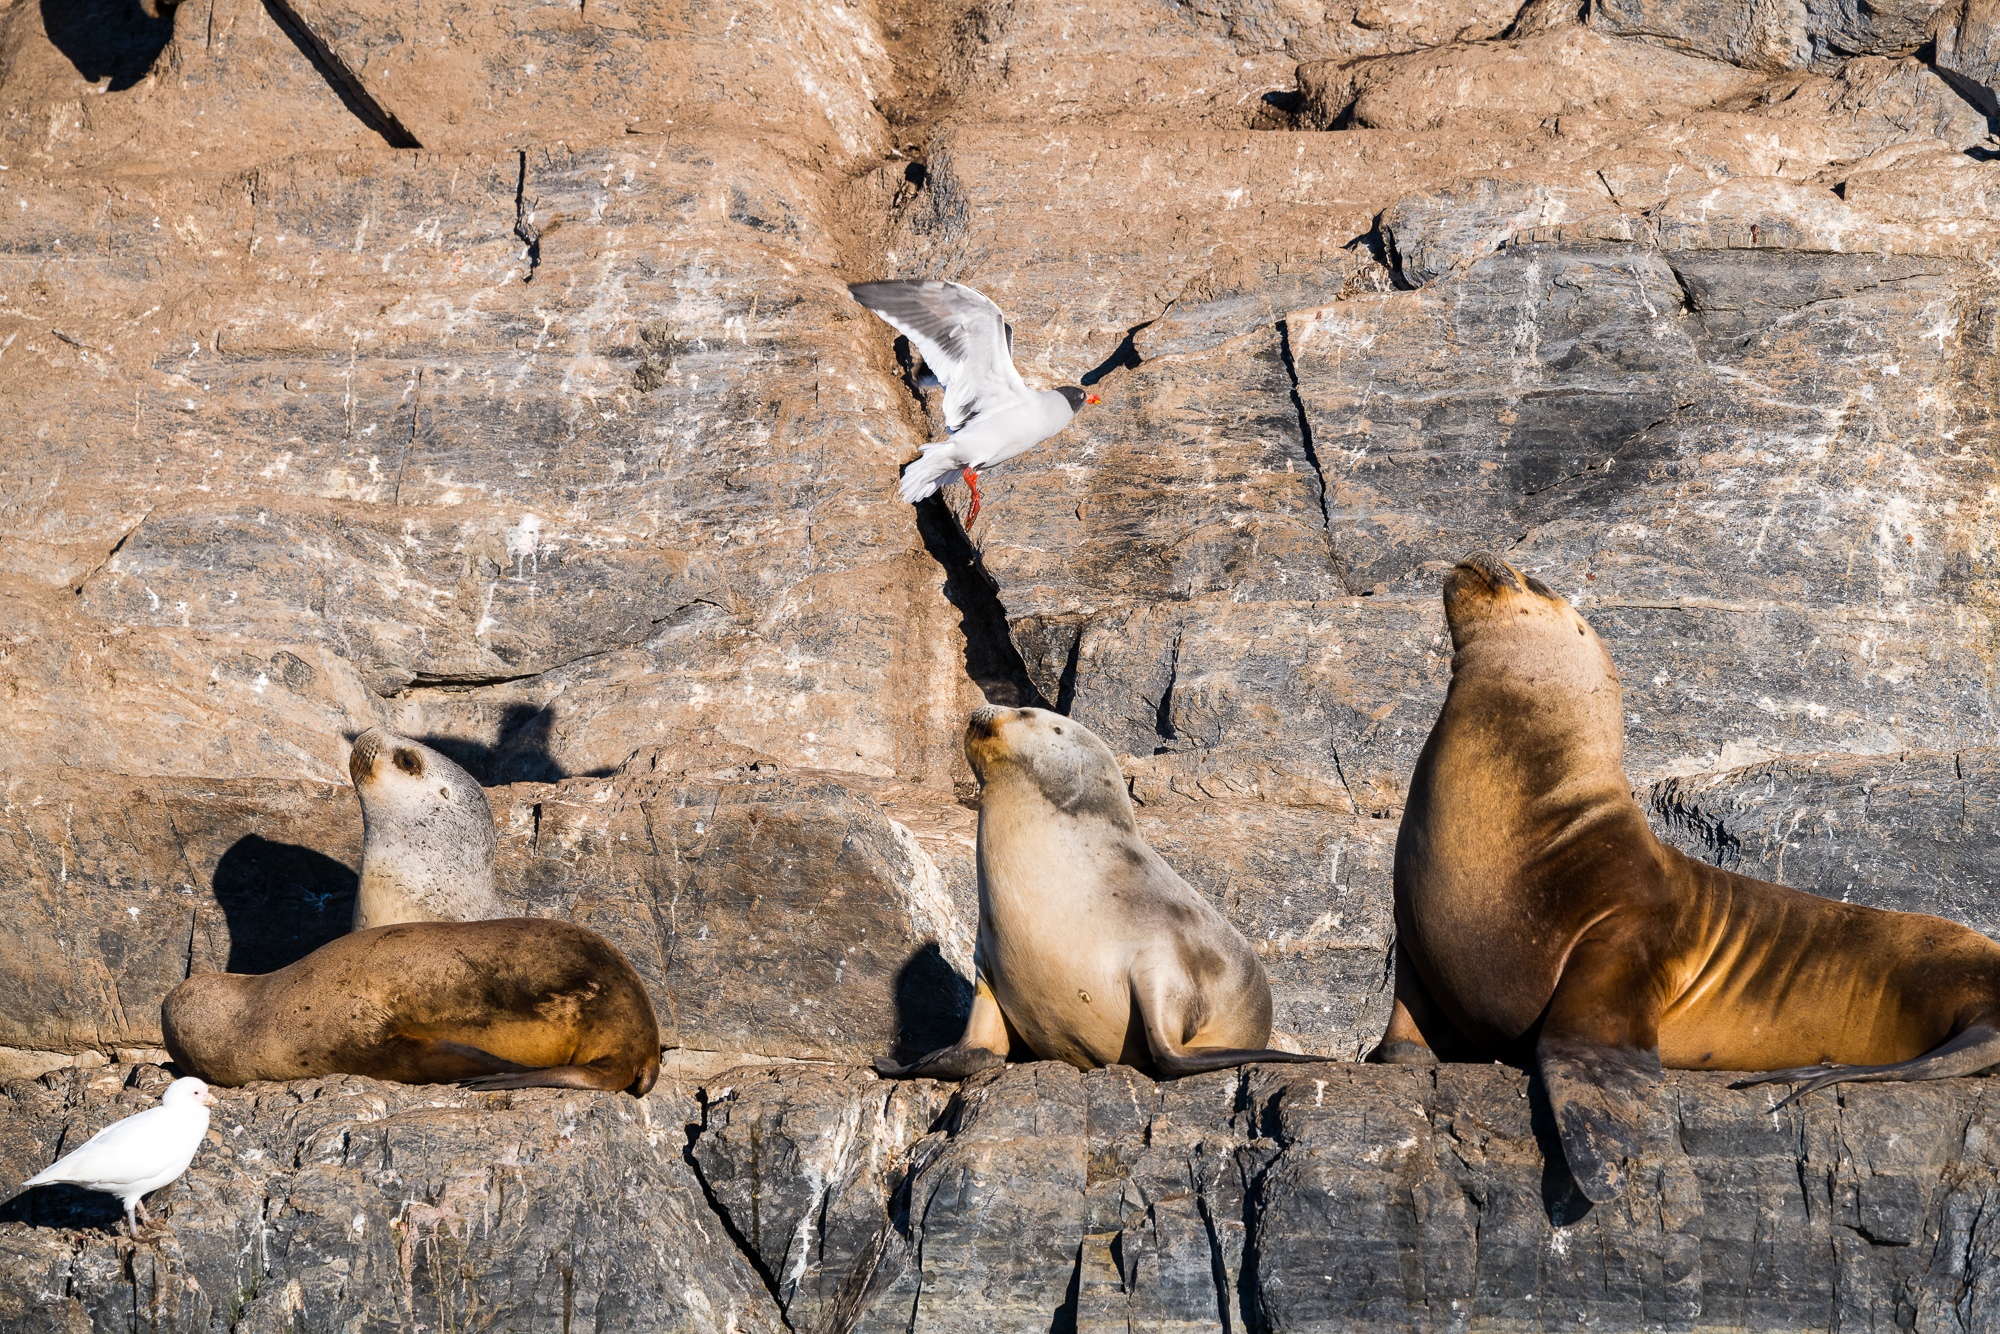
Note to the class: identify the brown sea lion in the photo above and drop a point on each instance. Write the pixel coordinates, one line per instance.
(1536, 913)
(427, 836)
(1091, 950)
(521, 1002)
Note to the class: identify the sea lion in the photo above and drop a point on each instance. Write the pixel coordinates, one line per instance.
(1090, 950)
(521, 1002)
(427, 836)
(1538, 916)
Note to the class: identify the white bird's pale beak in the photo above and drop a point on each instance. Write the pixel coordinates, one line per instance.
(206, 1097)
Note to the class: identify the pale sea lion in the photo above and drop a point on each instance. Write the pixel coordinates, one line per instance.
(521, 1002)
(427, 836)
(1537, 914)
(1091, 950)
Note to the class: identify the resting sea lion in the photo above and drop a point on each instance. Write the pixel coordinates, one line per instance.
(1536, 912)
(1091, 950)
(427, 836)
(521, 1002)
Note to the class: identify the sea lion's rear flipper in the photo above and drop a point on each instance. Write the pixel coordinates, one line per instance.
(551, 1077)
(1599, 1059)
(1160, 992)
(1971, 1051)
(984, 1045)
(1199, 1060)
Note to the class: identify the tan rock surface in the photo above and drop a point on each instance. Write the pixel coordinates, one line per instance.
(486, 372)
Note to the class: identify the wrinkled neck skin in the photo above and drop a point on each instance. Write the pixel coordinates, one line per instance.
(1536, 723)
(412, 871)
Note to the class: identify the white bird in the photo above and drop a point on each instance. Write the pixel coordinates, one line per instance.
(140, 1154)
(990, 415)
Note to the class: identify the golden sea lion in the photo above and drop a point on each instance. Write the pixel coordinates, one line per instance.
(520, 1002)
(1091, 950)
(1536, 913)
(427, 836)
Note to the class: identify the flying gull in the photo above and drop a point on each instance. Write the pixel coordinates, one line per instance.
(990, 416)
(140, 1154)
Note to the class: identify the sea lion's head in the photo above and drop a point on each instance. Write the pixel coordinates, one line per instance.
(1033, 750)
(1506, 624)
(428, 840)
(204, 1021)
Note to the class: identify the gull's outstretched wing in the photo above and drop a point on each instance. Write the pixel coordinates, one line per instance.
(963, 338)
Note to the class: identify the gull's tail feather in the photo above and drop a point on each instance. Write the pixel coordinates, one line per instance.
(923, 478)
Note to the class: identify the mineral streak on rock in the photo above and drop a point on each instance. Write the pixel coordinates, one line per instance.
(486, 372)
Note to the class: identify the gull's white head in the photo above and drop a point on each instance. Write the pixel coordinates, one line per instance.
(188, 1092)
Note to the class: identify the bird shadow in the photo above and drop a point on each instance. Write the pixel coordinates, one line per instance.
(281, 901)
(524, 751)
(1125, 358)
(64, 1206)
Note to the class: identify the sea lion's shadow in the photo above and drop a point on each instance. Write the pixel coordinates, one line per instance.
(64, 1206)
(1562, 1201)
(933, 1002)
(281, 901)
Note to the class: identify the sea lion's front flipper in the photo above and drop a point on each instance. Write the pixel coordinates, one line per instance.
(983, 1046)
(1599, 1097)
(1971, 1051)
(1599, 1059)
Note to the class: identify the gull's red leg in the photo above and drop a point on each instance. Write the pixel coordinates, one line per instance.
(972, 480)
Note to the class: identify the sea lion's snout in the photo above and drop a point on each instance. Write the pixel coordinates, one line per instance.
(1495, 573)
(982, 723)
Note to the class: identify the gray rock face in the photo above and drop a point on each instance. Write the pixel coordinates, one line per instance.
(1368, 1197)
(347, 1204)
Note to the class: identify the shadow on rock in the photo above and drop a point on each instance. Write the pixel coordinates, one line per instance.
(991, 659)
(281, 901)
(1561, 1199)
(111, 39)
(523, 754)
(932, 1004)
(65, 1207)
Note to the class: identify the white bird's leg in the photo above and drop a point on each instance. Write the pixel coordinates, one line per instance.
(972, 480)
(131, 1223)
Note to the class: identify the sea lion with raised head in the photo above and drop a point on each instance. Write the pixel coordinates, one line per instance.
(521, 1002)
(427, 836)
(1538, 917)
(1091, 950)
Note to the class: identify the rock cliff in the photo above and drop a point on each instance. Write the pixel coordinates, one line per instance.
(485, 372)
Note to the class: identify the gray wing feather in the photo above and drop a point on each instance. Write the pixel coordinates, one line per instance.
(963, 338)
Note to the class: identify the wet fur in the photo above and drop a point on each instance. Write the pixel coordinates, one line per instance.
(512, 1003)
(1539, 919)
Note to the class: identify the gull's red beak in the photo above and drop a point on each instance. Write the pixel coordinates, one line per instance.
(1092, 399)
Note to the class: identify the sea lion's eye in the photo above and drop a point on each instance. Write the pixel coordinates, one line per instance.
(410, 762)
(1059, 731)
